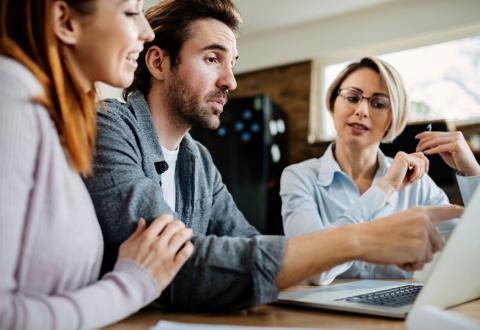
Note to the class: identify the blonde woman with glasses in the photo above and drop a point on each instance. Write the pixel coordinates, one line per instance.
(354, 182)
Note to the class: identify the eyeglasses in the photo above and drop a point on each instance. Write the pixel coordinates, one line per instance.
(378, 103)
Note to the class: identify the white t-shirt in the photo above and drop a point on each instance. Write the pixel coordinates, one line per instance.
(168, 177)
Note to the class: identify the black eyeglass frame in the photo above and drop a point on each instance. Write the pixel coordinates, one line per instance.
(360, 95)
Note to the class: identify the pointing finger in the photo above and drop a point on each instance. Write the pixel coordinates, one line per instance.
(439, 213)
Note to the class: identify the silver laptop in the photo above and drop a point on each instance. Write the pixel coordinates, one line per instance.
(453, 279)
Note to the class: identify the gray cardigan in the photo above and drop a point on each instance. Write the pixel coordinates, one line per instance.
(233, 267)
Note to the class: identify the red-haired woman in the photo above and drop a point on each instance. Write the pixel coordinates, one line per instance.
(51, 246)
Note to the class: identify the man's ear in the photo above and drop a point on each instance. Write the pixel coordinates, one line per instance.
(158, 62)
(65, 24)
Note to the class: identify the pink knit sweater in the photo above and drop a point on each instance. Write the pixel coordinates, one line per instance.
(51, 245)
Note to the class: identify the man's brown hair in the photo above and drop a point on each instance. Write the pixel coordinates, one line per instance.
(171, 20)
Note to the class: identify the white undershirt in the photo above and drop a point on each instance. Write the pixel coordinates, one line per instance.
(168, 177)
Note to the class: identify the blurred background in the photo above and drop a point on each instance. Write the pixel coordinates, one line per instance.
(289, 53)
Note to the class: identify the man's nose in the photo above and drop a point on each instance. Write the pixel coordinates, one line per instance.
(227, 81)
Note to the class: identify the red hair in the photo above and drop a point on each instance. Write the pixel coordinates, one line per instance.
(26, 35)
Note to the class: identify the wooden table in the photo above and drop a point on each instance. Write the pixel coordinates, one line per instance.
(281, 316)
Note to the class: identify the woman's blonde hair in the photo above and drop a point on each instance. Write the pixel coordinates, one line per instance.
(395, 86)
(26, 35)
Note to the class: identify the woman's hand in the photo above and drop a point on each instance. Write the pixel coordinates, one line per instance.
(162, 247)
(452, 147)
(406, 169)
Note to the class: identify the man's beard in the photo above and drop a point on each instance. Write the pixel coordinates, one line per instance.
(187, 110)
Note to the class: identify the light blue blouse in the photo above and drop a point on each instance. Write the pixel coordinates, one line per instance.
(317, 194)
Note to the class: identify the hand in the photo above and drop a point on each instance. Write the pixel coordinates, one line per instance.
(453, 149)
(162, 248)
(406, 169)
(407, 239)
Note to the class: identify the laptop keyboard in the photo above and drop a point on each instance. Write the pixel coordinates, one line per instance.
(396, 297)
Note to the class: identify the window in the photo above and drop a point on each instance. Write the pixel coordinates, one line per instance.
(442, 81)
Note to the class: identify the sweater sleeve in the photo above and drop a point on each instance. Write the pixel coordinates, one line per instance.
(118, 294)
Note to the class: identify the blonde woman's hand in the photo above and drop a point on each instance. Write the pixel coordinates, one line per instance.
(406, 169)
(453, 149)
(162, 247)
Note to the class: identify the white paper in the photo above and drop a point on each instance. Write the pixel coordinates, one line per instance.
(164, 325)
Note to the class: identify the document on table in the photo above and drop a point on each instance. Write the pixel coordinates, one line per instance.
(164, 325)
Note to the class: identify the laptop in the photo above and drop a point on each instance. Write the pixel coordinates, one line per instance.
(453, 279)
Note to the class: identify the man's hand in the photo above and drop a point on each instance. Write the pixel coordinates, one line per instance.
(407, 239)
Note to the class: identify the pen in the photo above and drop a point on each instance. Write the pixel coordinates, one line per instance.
(429, 129)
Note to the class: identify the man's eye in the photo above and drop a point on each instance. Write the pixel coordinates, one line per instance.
(212, 59)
